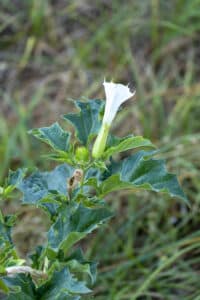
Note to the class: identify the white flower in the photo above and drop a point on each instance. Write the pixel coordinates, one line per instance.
(116, 94)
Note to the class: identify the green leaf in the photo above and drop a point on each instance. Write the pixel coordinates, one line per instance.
(123, 144)
(13, 180)
(5, 234)
(37, 186)
(64, 296)
(3, 287)
(77, 263)
(93, 177)
(53, 135)
(62, 286)
(140, 172)
(61, 156)
(87, 121)
(21, 287)
(8, 256)
(15, 177)
(73, 224)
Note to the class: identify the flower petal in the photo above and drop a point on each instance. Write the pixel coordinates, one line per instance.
(116, 94)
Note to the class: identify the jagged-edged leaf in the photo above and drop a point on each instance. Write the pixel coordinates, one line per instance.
(86, 121)
(46, 189)
(53, 135)
(63, 286)
(77, 263)
(7, 251)
(141, 172)
(64, 296)
(15, 177)
(21, 287)
(73, 224)
(5, 233)
(93, 177)
(38, 185)
(61, 156)
(123, 144)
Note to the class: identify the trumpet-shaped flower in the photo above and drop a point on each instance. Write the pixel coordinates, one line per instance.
(116, 94)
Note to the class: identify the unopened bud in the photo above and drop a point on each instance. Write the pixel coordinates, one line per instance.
(82, 154)
(100, 143)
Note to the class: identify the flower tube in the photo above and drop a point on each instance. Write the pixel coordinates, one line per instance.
(116, 94)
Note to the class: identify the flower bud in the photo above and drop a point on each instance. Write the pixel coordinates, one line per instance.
(100, 143)
(82, 154)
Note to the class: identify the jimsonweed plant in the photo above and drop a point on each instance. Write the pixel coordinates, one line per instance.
(72, 194)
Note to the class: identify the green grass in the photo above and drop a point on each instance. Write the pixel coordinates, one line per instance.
(53, 52)
(16, 144)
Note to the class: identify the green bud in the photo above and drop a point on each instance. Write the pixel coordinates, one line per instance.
(82, 154)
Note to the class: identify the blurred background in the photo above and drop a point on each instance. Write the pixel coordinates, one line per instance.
(55, 51)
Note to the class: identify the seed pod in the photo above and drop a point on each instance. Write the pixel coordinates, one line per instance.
(75, 180)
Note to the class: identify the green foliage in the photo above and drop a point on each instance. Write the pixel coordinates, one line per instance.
(73, 224)
(41, 184)
(117, 145)
(13, 180)
(21, 287)
(53, 135)
(62, 286)
(5, 229)
(154, 44)
(77, 263)
(141, 172)
(87, 122)
(73, 199)
(15, 177)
